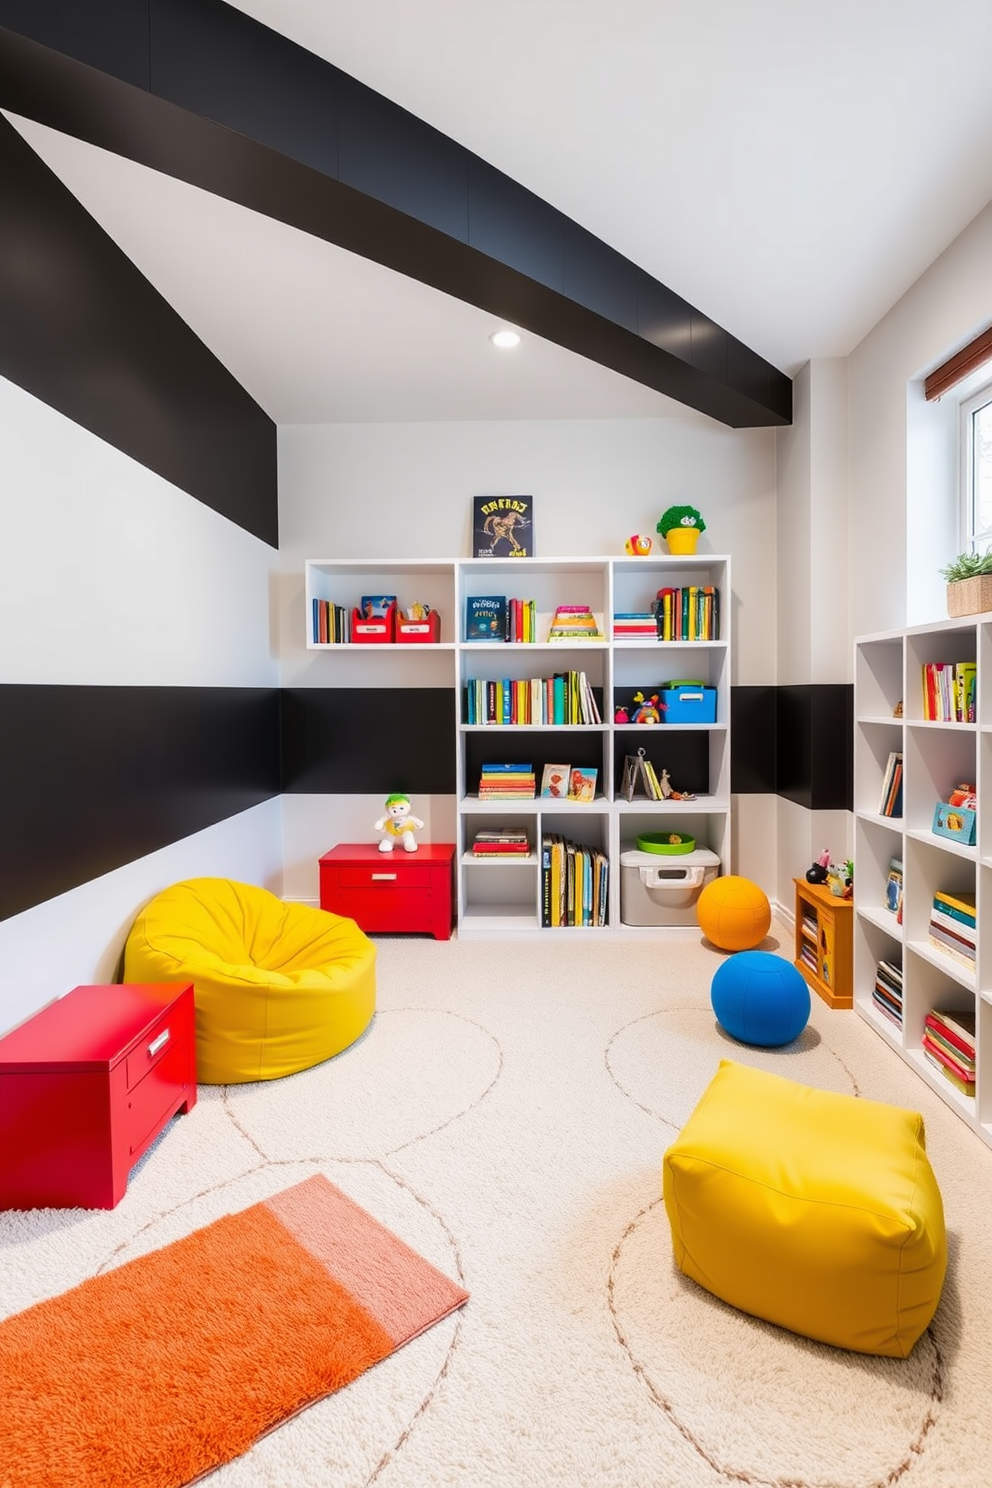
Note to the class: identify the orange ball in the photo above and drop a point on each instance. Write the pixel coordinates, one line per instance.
(734, 913)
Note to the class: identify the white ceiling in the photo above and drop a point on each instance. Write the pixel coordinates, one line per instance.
(790, 167)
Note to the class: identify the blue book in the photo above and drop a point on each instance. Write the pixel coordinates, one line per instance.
(501, 769)
(485, 617)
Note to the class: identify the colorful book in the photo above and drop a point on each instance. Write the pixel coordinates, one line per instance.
(503, 527)
(960, 902)
(958, 1026)
(555, 781)
(485, 617)
(893, 886)
(582, 784)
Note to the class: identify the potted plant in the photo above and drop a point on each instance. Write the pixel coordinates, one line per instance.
(969, 584)
(680, 526)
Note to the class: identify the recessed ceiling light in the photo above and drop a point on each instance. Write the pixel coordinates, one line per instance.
(505, 338)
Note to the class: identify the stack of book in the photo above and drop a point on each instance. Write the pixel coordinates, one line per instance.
(949, 691)
(574, 882)
(500, 842)
(890, 800)
(952, 926)
(949, 1045)
(635, 623)
(575, 623)
(507, 783)
(567, 697)
(887, 994)
(688, 614)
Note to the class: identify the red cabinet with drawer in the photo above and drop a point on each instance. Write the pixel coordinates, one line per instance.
(390, 891)
(86, 1085)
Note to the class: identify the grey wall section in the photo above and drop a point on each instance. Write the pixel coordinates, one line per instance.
(84, 331)
(219, 100)
(95, 777)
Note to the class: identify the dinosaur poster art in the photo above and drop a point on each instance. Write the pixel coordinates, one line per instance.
(503, 527)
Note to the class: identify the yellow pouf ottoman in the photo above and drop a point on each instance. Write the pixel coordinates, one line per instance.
(278, 987)
(816, 1211)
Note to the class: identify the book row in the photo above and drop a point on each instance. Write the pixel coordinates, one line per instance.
(574, 883)
(952, 927)
(376, 619)
(565, 698)
(518, 782)
(887, 992)
(949, 691)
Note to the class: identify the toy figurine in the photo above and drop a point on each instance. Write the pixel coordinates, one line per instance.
(637, 546)
(817, 872)
(621, 716)
(648, 710)
(398, 824)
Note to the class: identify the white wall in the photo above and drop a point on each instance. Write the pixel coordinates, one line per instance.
(405, 490)
(893, 569)
(813, 621)
(111, 576)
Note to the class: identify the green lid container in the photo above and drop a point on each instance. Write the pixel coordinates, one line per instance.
(661, 842)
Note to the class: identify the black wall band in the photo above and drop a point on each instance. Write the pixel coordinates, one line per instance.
(796, 742)
(92, 778)
(356, 741)
(85, 332)
(95, 777)
(201, 91)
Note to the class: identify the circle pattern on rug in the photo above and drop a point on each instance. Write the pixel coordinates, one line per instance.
(664, 1061)
(414, 1071)
(346, 1437)
(760, 1404)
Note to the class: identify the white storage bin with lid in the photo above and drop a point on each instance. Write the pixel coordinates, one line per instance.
(659, 889)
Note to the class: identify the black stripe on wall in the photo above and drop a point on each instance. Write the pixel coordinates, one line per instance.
(356, 741)
(796, 742)
(236, 108)
(92, 778)
(85, 332)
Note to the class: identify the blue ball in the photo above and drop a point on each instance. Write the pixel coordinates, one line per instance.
(760, 999)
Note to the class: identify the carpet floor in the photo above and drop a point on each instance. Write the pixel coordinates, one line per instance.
(506, 1115)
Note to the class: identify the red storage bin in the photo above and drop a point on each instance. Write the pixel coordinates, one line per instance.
(419, 632)
(379, 630)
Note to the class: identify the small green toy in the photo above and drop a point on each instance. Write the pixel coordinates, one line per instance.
(680, 516)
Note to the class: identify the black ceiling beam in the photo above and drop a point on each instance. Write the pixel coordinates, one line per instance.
(199, 91)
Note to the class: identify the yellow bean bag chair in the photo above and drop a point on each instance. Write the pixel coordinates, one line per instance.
(816, 1211)
(278, 987)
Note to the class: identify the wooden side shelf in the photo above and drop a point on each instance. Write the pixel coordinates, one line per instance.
(824, 947)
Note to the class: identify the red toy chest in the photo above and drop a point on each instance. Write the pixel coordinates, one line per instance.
(86, 1085)
(397, 891)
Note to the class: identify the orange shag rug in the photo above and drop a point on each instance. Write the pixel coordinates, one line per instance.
(155, 1373)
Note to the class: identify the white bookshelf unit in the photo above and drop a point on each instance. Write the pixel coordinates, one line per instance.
(504, 897)
(937, 757)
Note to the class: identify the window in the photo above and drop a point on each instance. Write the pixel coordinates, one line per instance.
(976, 468)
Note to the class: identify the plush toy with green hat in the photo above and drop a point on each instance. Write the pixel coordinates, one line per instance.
(398, 824)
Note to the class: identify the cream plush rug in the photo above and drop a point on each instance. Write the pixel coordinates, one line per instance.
(506, 1115)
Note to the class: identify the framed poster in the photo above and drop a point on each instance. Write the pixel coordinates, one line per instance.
(503, 527)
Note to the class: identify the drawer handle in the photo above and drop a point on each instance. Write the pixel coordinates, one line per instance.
(390, 876)
(158, 1043)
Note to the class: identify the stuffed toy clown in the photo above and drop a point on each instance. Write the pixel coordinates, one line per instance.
(398, 824)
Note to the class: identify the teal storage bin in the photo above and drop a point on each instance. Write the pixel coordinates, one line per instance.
(687, 703)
